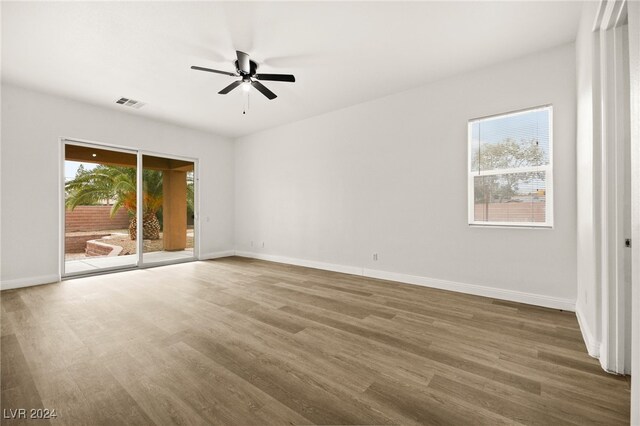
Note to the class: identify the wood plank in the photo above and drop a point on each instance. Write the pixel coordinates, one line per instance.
(503, 406)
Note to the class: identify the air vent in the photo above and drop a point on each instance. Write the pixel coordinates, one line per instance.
(130, 103)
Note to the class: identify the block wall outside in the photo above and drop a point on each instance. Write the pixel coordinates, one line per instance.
(511, 212)
(95, 218)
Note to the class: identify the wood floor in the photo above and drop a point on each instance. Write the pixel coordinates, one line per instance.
(244, 342)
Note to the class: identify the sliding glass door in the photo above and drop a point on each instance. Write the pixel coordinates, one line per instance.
(168, 209)
(100, 190)
(125, 209)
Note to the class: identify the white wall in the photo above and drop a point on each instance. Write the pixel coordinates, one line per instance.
(588, 303)
(32, 125)
(390, 177)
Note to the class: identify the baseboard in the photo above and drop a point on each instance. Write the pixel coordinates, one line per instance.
(216, 255)
(29, 281)
(475, 289)
(302, 262)
(593, 345)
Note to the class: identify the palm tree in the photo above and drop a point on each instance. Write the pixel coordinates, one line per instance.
(118, 183)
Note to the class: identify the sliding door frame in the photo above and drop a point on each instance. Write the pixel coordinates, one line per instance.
(139, 153)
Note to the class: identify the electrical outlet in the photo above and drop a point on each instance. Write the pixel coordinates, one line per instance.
(263, 244)
(375, 256)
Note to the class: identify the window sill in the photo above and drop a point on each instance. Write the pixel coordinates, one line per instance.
(510, 225)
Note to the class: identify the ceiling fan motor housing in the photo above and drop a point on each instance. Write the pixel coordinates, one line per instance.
(253, 67)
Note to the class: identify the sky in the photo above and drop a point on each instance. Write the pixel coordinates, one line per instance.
(70, 168)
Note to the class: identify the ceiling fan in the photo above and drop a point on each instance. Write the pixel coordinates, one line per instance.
(246, 70)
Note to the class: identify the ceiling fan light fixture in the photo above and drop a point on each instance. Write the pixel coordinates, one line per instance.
(246, 86)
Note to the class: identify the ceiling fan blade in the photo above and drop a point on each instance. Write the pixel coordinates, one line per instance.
(276, 77)
(243, 62)
(232, 74)
(262, 89)
(230, 87)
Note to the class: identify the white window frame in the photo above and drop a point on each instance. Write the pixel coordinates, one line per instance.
(548, 169)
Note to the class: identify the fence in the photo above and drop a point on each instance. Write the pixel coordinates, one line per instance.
(511, 212)
(95, 218)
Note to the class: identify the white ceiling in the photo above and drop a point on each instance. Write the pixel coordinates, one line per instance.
(342, 53)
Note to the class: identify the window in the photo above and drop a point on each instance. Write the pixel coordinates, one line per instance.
(511, 169)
